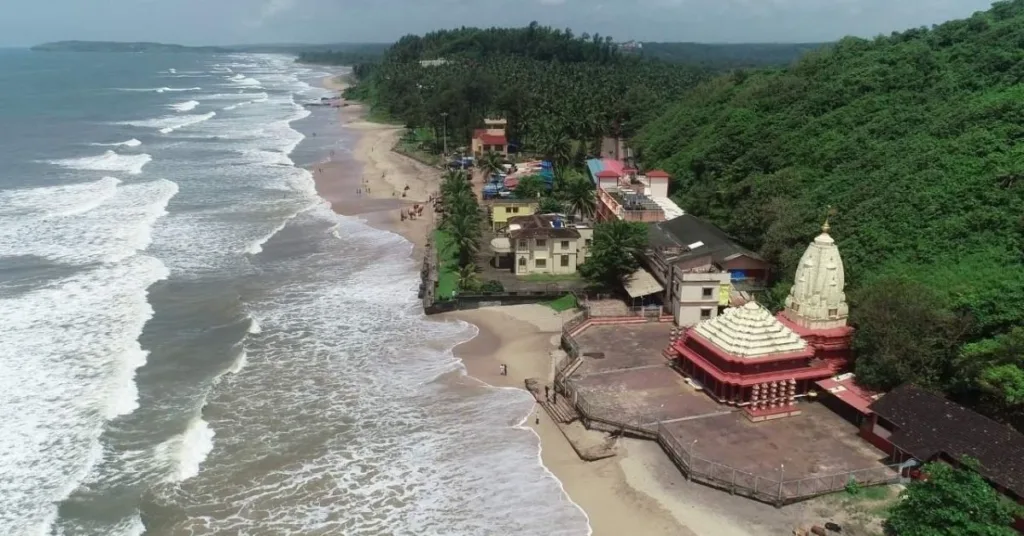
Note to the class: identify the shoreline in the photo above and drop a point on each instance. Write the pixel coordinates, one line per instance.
(373, 182)
(637, 491)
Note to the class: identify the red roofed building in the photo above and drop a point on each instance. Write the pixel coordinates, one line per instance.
(747, 357)
(489, 140)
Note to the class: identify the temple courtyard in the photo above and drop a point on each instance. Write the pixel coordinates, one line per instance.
(625, 375)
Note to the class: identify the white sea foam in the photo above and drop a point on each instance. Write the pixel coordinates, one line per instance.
(102, 221)
(160, 89)
(108, 161)
(242, 81)
(184, 106)
(239, 363)
(129, 143)
(240, 95)
(170, 123)
(196, 444)
(399, 437)
(68, 355)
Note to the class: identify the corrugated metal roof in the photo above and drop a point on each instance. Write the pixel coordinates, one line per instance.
(642, 283)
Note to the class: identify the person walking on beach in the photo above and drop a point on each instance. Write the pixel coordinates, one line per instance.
(536, 418)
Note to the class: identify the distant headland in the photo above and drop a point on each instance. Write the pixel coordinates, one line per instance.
(143, 46)
(112, 46)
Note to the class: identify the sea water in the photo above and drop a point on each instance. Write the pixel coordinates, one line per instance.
(192, 343)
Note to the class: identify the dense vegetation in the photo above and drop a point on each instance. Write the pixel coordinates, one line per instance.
(727, 56)
(951, 502)
(614, 252)
(343, 54)
(549, 84)
(918, 139)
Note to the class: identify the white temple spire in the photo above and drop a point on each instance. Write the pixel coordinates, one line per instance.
(817, 299)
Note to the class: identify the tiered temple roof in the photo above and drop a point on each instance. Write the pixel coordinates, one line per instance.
(750, 331)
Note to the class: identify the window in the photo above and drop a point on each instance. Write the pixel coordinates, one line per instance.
(542, 263)
(565, 260)
(541, 243)
(513, 210)
(522, 262)
(705, 313)
(586, 243)
(833, 312)
(522, 244)
(565, 244)
(707, 293)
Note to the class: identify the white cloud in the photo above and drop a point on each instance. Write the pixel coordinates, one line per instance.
(271, 9)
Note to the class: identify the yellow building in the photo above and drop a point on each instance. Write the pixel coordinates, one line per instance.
(503, 209)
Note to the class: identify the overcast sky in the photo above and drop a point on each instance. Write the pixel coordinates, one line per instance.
(216, 22)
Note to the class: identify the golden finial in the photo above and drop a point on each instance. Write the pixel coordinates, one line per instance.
(828, 214)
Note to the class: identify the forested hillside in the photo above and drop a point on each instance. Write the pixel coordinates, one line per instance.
(549, 84)
(342, 54)
(917, 139)
(727, 56)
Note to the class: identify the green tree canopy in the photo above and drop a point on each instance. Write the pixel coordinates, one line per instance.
(613, 252)
(530, 187)
(950, 502)
(905, 334)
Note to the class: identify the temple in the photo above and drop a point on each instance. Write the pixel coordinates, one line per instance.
(816, 306)
(763, 363)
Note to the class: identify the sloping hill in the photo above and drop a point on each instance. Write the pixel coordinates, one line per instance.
(727, 55)
(917, 139)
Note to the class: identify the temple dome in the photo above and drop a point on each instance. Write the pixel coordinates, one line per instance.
(817, 300)
(750, 331)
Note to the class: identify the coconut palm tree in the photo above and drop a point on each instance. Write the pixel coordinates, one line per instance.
(550, 205)
(579, 196)
(465, 233)
(491, 163)
(468, 278)
(557, 148)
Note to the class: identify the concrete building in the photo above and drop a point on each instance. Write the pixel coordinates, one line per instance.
(699, 296)
(542, 244)
(627, 194)
(687, 255)
(492, 138)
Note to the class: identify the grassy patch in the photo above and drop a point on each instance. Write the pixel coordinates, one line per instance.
(563, 304)
(544, 278)
(377, 115)
(413, 151)
(447, 265)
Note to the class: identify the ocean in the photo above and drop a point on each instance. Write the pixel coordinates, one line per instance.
(193, 343)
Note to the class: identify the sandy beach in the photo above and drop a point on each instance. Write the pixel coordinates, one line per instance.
(374, 182)
(637, 491)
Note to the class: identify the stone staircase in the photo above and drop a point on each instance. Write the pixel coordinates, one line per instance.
(562, 412)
